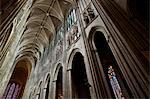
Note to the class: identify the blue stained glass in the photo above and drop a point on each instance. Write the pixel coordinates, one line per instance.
(114, 83)
(71, 19)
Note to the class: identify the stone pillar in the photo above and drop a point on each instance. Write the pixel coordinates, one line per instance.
(44, 93)
(53, 90)
(69, 95)
(37, 96)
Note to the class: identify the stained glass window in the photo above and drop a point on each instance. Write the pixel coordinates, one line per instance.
(16, 92)
(114, 83)
(12, 91)
(71, 19)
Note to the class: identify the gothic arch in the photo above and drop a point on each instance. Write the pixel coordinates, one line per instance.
(33, 92)
(104, 60)
(97, 28)
(71, 56)
(46, 86)
(70, 10)
(58, 81)
(76, 66)
(79, 81)
(58, 66)
(30, 60)
(46, 79)
(18, 80)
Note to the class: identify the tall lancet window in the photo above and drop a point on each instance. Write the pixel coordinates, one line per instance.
(114, 83)
(71, 19)
(16, 85)
(12, 91)
(107, 66)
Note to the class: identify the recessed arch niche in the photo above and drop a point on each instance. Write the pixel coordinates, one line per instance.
(58, 81)
(17, 82)
(108, 73)
(46, 88)
(79, 81)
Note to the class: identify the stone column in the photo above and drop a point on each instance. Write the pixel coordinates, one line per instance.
(53, 92)
(69, 95)
(37, 96)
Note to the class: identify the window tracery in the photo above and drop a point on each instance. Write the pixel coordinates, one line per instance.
(72, 28)
(71, 20)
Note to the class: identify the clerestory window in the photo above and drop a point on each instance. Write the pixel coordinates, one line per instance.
(71, 19)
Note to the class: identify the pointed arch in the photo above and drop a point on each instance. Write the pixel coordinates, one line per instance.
(58, 78)
(106, 64)
(18, 80)
(46, 86)
(79, 81)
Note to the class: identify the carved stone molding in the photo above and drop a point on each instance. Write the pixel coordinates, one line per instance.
(73, 36)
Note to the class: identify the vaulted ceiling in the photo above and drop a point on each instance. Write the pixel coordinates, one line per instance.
(45, 17)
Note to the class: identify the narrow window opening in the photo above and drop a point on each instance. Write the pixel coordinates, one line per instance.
(114, 77)
(59, 88)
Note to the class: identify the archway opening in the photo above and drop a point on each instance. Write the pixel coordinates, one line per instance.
(17, 82)
(39, 91)
(47, 88)
(80, 85)
(116, 82)
(59, 87)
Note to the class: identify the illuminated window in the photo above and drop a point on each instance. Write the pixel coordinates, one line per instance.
(16, 92)
(17, 82)
(12, 91)
(114, 83)
(71, 19)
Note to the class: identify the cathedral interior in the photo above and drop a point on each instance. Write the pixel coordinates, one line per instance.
(74, 49)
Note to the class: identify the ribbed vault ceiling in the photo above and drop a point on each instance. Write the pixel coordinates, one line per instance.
(44, 19)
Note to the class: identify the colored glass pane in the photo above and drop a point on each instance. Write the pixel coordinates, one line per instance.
(114, 83)
(11, 91)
